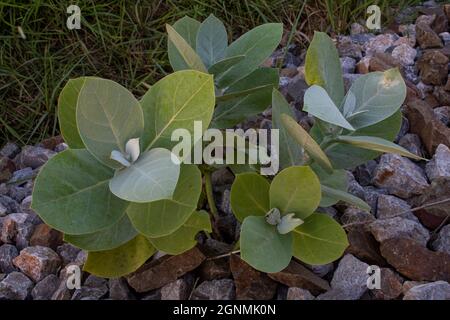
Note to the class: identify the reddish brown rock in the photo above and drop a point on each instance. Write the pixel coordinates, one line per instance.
(296, 275)
(7, 167)
(164, 270)
(424, 122)
(9, 227)
(250, 283)
(215, 269)
(438, 191)
(37, 262)
(382, 62)
(364, 246)
(44, 235)
(51, 143)
(416, 262)
(433, 67)
(426, 37)
(391, 285)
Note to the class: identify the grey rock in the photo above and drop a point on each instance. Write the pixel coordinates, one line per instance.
(25, 205)
(37, 262)
(222, 289)
(10, 150)
(356, 28)
(33, 157)
(442, 243)
(321, 270)
(61, 147)
(404, 54)
(22, 175)
(222, 177)
(400, 176)
(439, 166)
(335, 294)
(299, 294)
(371, 195)
(16, 286)
(81, 257)
(390, 206)
(67, 252)
(225, 204)
(379, 43)
(354, 187)
(19, 193)
(3, 210)
(94, 288)
(411, 74)
(296, 90)
(445, 36)
(45, 288)
(362, 38)
(356, 217)
(177, 290)
(119, 290)
(347, 48)
(398, 227)
(439, 290)
(152, 295)
(350, 277)
(24, 233)
(348, 65)
(413, 144)
(7, 254)
(364, 172)
(10, 204)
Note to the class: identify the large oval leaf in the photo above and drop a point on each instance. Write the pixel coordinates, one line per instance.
(152, 177)
(386, 129)
(212, 40)
(187, 53)
(108, 115)
(183, 239)
(290, 153)
(319, 104)
(106, 239)
(257, 45)
(263, 247)
(67, 115)
(223, 65)
(161, 218)
(374, 97)
(187, 28)
(176, 101)
(302, 137)
(320, 240)
(120, 261)
(323, 67)
(249, 196)
(295, 190)
(71, 194)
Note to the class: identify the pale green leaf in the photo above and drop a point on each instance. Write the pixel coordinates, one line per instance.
(257, 45)
(161, 218)
(108, 115)
(290, 153)
(187, 28)
(71, 194)
(107, 239)
(212, 40)
(120, 261)
(223, 65)
(176, 101)
(152, 177)
(306, 142)
(249, 195)
(319, 104)
(190, 57)
(295, 190)
(183, 239)
(320, 240)
(67, 117)
(263, 247)
(336, 180)
(323, 67)
(338, 195)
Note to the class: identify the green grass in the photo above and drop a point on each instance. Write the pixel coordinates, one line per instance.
(124, 41)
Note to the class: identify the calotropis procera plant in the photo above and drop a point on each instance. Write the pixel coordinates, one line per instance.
(116, 192)
(243, 88)
(349, 129)
(279, 220)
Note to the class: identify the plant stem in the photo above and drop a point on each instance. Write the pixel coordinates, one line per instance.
(210, 195)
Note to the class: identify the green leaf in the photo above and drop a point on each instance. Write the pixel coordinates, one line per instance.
(187, 28)
(161, 218)
(336, 180)
(183, 239)
(306, 142)
(249, 195)
(319, 104)
(295, 190)
(339, 153)
(120, 261)
(212, 40)
(323, 67)
(263, 247)
(71, 194)
(187, 53)
(374, 97)
(290, 153)
(223, 65)
(106, 239)
(152, 177)
(320, 240)
(377, 144)
(67, 116)
(246, 103)
(339, 195)
(108, 115)
(176, 101)
(257, 45)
